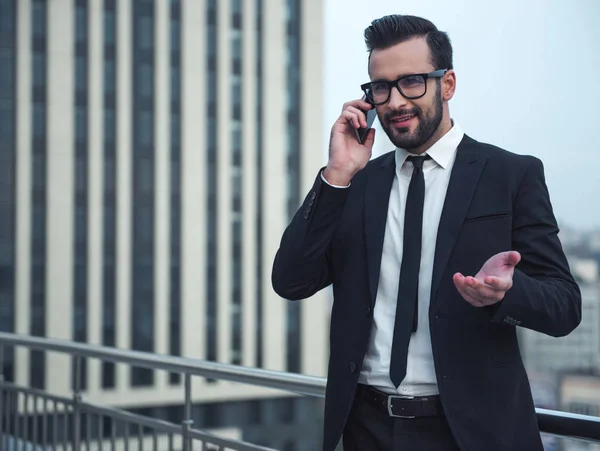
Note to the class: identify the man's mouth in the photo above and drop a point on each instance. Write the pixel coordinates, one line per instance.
(401, 121)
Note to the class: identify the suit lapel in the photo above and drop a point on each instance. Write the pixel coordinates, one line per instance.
(463, 181)
(377, 196)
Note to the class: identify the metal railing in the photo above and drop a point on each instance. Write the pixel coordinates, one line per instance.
(33, 416)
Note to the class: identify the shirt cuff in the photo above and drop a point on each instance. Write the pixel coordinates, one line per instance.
(334, 186)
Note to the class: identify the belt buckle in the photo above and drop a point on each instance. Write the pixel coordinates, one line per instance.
(389, 406)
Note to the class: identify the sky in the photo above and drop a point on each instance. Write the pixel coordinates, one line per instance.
(528, 80)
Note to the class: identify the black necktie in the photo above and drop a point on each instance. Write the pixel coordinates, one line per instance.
(406, 309)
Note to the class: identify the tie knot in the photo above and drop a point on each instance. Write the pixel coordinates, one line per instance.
(418, 161)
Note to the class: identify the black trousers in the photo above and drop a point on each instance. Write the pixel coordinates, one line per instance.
(371, 429)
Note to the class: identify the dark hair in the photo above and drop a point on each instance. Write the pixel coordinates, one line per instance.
(390, 30)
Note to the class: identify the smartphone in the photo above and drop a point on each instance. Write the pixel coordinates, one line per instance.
(361, 133)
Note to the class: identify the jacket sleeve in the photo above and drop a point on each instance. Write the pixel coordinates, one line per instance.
(544, 296)
(302, 265)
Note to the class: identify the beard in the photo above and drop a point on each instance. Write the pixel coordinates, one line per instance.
(427, 125)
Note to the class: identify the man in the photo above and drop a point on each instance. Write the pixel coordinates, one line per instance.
(437, 251)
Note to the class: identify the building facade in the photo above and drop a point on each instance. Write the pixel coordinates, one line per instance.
(152, 154)
(577, 353)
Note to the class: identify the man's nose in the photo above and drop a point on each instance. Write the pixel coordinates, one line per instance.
(397, 100)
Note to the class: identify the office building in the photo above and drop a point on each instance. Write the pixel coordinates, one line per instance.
(578, 352)
(152, 154)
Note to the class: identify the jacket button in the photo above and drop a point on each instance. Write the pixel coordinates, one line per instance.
(352, 367)
(313, 195)
(368, 311)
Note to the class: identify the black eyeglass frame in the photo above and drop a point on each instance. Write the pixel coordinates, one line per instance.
(396, 83)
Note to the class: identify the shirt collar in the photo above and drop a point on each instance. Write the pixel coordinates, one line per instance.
(441, 152)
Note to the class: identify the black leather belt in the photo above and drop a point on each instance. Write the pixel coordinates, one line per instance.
(400, 406)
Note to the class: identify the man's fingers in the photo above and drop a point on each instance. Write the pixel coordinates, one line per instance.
(498, 283)
(459, 283)
(358, 103)
(370, 138)
(351, 118)
(476, 292)
(484, 295)
(512, 258)
(361, 116)
(483, 292)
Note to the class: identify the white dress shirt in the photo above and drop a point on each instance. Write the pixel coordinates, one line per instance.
(420, 377)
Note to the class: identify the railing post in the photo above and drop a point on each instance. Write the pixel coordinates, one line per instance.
(2, 395)
(77, 404)
(187, 422)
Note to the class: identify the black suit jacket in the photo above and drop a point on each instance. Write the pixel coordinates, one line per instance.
(496, 201)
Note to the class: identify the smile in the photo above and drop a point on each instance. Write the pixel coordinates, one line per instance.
(403, 120)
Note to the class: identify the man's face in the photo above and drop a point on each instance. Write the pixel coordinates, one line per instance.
(408, 123)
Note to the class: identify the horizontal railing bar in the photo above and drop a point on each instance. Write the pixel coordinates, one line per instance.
(166, 427)
(551, 422)
(295, 383)
(140, 420)
(571, 425)
(130, 417)
(9, 386)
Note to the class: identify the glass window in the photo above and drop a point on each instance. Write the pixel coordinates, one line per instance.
(109, 75)
(212, 87)
(81, 123)
(80, 22)
(7, 17)
(145, 131)
(6, 122)
(39, 18)
(39, 120)
(39, 69)
(109, 26)
(145, 175)
(6, 71)
(236, 44)
(80, 73)
(109, 125)
(146, 87)
(80, 221)
(175, 130)
(175, 34)
(145, 32)
(109, 174)
(175, 82)
(80, 174)
(212, 40)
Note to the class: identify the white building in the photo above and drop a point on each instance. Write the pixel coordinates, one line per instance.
(152, 153)
(577, 352)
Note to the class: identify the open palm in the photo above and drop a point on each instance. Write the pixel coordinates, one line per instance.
(491, 283)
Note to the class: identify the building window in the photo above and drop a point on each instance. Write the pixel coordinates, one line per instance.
(259, 187)
(8, 19)
(109, 195)
(211, 178)
(175, 226)
(293, 15)
(142, 317)
(80, 256)
(37, 376)
(237, 183)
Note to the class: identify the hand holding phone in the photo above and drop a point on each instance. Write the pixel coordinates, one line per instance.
(351, 143)
(361, 133)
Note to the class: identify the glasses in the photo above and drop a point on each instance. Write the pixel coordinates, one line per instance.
(411, 87)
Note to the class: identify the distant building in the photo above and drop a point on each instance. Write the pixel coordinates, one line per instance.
(578, 352)
(580, 394)
(151, 154)
(585, 270)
